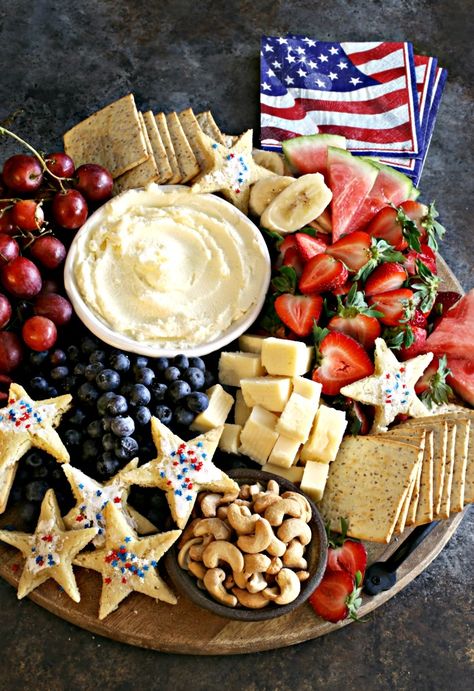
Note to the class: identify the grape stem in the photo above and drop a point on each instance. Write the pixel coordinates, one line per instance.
(3, 130)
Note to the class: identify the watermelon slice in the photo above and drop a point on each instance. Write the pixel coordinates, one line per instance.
(454, 335)
(461, 378)
(309, 154)
(350, 178)
(390, 186)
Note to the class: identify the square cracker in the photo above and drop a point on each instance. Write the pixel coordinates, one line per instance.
(209, 127)
(159, 151)
(141, 175)
(445, 506)
(368, 484)
(160, 119)
(187, 161)
(424, 511)
(111, 137)
(192, 130)
(469, 482)
(460, 464)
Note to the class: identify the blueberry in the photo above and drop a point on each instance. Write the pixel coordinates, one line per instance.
(108, 380)
(106, 421)
(209, 379)
(87, 393)
(39, 384)
(197, 362)
(97, 356)
(59, 373)
(144, 375)
(88, 345)
(73, 353)
(40, 473)
(161, 363)
(57, 357)
(194, 377)
(172, 373)
(122, 426)
(35, 490)
(79, 369)
(158, 391)
(139, 395)
(119, 362)
(94, 429)
(71, 437)
(51, 392)
(91, 371)
(104, 400)
(164, 414)
(69, 383)
(90, 449)
(108, 441)
(38, 357)
(197, 402)
(140, 361)
(178, 389)
(142, 415)
(126, 389)
(181, 361)
(34, 460)
(78, 417)
(117, 405)
(125, 448)
(183, 416)
(108, 464)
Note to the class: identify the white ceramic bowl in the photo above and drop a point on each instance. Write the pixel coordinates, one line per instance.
(106, 333)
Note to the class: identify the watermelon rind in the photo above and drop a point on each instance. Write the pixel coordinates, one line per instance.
(301, 151)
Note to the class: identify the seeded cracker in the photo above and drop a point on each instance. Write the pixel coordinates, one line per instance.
(187, 161)
(192, 129)
(160, 119)
(141, 175)
(209, 127)
(111, 137)
(159, 152)
(460, 463)
(445, 507)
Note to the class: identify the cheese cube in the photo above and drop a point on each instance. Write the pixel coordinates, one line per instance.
(236, 366)
(287, 358)
(308, 388)
(250, 343)
(220, 403)
(314, 479)
(258, 435)
(284, 452)
(326, 435)
(293, 474)
(272, 393)
(242, 410)
(297, 418)
(230, 438)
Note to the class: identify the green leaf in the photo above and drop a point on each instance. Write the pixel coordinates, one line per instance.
(269, 320)
(285, 281)
(438, 391)
(434, 230)
(274, 237)
(380, 252)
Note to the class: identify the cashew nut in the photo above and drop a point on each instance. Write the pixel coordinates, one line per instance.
(306, 512)
(250, 600)
(283, 507)
(260, 540)
(209, 504)
(303, 575)
(222, 512)
(240, 579)
(290, 586)
(273, 486)
(196, 550)
(293, 556)
(229, 582)
(221, 550)
(264, 500)
(183, 554)
(275, 565)
(256, 583)
(188, 532)
(256, 563)
(213, 581)
(213, 526)
(241, 519)
(294, 527)
(276, 548)
(244, 492)
(197, 569)
(271, 593)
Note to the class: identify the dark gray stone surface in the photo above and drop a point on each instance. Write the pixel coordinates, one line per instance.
(63, 60)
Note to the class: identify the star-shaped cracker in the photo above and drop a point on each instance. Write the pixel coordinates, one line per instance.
(182, 469)
(50, 550)
(231, 170)
(128, 562)
(92, 498)
(25, 423)
(391, 389)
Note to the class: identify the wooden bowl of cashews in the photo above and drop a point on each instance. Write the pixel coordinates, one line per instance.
(252, 555)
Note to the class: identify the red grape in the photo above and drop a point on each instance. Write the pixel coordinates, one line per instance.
(49, 251)
(55, 307)
(69, 209)
(11, 351)
(39, 333)
(28, 214)
(9, 248)
(21, 278)
(5, 310)
(95, 182)
(22, 173)
(60, 164)
(6, 221)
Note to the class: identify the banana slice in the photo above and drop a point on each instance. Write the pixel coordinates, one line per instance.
(265, 190)
(301, 202)
(270, 160)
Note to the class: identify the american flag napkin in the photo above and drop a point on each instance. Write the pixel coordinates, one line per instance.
(364, 91)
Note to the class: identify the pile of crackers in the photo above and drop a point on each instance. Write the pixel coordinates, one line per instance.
(418, 472)
(141, 147)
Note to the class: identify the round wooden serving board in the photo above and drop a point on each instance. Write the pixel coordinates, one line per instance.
(185, 628)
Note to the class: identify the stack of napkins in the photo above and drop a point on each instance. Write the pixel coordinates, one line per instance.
(380, 96)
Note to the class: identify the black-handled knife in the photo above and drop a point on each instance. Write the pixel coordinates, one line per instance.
(382, 575)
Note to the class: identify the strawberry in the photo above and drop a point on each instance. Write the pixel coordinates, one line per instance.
(352, 249)
(417, 345)
(427, 256)
(356, 319)
(337, 596)
(419, 319)
(322, 273)
(393, 304)
(341, 361)
(309, 246)
(431, 386)
(292, 258)
(345, 554)
(299, 312)
(444, 300)
(424, 218)
(386, 277)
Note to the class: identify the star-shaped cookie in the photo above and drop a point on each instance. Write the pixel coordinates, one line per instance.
(231, 170)
(391, 388)
(182, 469)
(50, 550)
(128, 562)
(92, 498)
(25, 423)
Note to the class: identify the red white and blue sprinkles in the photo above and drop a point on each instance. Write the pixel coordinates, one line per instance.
(235, 170)
(20, 415)
(395, 388)
(45, 546)
(127, 564)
